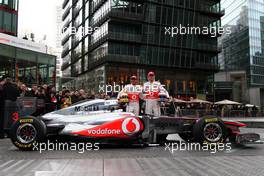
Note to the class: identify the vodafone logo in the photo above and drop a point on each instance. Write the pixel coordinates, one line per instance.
(134, 97)
(130, 126)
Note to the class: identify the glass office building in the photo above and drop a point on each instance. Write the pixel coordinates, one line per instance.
(8, 16)
(243, 48)
(130, 39)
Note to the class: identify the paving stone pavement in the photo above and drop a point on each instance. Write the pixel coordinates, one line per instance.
(193, 166)
(128, 161)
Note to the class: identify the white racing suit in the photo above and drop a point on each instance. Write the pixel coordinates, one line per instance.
(134, 93)
(151, 96)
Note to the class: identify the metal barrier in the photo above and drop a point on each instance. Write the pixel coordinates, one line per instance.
(28, 105)
(14, 109)
(11, 110)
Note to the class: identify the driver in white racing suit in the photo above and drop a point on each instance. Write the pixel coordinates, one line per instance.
(134, 93)
(152, 90)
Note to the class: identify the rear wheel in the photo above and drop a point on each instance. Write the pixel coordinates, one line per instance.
(210, 130)
(25, 132)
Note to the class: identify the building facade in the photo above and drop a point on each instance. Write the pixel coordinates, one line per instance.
(8, 16)
(109, 40)
(58, 47)
(243, 49)
(26, 61)
(22, 60)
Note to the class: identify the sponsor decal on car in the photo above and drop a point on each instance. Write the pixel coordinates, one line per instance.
(103, 131)
(211, 120)
(15, 116)
(26, 121)
(130, 126)
(121, 128)
(23, 145)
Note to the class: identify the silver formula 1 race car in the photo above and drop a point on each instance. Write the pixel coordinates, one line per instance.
(104, 120)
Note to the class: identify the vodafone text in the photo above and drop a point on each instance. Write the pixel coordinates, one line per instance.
(104, 131)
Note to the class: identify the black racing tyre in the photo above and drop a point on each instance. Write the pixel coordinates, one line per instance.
(26, 131)
(188, 137)
(210, 130)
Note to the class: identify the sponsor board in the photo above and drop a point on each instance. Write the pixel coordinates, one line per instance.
(21, 43)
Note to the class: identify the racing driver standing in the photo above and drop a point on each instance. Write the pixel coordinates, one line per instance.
(134, 92)
(153, 91)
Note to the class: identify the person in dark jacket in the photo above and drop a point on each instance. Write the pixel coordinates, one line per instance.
(10, 92)
(23, 90)
(51, 104)
(41, 102)
(32, 92)
(2, 134)
(75, 97)
(59, 99)
(82, 95)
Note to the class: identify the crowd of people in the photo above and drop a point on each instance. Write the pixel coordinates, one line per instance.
(47, 95)
(52, 99)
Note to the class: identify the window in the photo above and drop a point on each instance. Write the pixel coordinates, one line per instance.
(15, 5)
(1, 17)
(123, 49)
(7, 21)
(86, 62)
(14, 23)
(99, 53)
(87, 9)
(99, 33)
(101, 12)
(130, 50)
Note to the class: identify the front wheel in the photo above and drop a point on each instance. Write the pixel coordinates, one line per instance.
(25, 132)
(210, 130)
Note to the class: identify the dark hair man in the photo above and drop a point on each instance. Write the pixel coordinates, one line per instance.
(134, 92)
